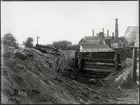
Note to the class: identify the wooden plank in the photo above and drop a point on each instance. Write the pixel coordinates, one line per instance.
(116, 61)
(98, 63)
(92, 76)
(95, 73)
(79, 64)
(97, 66)
(99, 60)
(98, 70)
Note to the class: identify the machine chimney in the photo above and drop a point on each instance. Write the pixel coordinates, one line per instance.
(112, 34)
(107, 32)
(116, 29)
(92, 32)
(103, 31)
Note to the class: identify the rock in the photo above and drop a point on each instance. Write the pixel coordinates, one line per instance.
(92, 81)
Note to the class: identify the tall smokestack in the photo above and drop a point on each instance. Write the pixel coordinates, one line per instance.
(116, 29)
(92, 32)
(112, 34)
(107, 32)
(103, 31)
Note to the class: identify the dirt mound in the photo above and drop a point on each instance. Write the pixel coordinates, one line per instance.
(28, 76)
(122, 78)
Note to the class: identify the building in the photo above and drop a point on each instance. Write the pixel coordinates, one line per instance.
(113, 40)
(89, 47)
(132, 35)
(108, 40)
(119, 42)
(94, 44)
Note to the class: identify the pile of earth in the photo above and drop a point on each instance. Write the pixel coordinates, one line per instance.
(30, 76)
(122, 78)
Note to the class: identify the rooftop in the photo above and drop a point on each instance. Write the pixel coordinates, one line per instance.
(88, 47)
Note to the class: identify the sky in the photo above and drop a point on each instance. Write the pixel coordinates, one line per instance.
(65, 20)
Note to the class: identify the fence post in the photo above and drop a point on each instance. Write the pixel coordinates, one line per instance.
(37, 40)
(116, 61)
(134, 64)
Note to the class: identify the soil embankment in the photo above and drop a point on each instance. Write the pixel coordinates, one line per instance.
(30, 76)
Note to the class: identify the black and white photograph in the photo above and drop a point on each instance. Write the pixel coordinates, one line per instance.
(69, 52)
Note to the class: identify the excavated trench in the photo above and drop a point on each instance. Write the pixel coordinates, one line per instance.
(30, 76)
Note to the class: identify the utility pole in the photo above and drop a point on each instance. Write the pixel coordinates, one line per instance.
(134, 64)
(37, 39)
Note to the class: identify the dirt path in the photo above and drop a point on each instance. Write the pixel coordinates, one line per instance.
(120, 95)
(131, 96)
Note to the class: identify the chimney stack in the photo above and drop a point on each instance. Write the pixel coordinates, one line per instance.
(112, 34)
(103, 30)
(93, 33)
(116, 29)
(107, 32)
